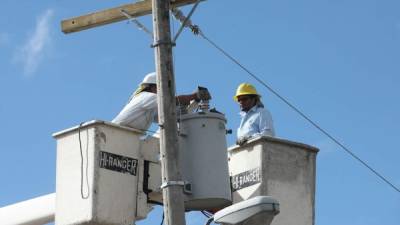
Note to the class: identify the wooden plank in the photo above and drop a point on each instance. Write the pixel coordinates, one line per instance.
(112, 15)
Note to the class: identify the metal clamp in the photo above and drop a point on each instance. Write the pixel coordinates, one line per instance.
(187, 187)
(158, 43)
(172, 183)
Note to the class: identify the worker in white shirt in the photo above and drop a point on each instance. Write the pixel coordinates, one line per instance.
(256, 120)
(141, 109)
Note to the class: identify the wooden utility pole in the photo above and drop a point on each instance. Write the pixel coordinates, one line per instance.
(174, 209)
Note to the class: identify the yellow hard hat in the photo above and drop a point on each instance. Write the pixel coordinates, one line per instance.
(245, 89)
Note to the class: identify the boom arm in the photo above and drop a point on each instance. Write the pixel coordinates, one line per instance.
(36, 211)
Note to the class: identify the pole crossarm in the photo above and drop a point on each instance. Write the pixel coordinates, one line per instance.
(113, 15)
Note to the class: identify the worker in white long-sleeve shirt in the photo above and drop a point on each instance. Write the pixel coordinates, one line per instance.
(256, 120)
(141, 109)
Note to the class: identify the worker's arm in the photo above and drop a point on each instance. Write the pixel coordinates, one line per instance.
(200, 94)
(266, 125)
(185, 99)
(262, 126)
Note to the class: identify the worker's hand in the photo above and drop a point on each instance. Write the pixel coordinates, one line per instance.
(241, 141)
(203, 94)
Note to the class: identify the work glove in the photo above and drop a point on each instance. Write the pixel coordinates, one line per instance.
(241, 141)
(203, 94)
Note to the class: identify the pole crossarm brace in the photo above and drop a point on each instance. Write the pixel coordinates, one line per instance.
(113, 15)
(138, 24)
(186, 20)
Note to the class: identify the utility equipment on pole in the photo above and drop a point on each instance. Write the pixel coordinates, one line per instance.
(172, 179)
(108, 174)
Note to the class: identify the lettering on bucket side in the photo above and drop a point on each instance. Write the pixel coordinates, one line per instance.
(118, 163)
(246, 179)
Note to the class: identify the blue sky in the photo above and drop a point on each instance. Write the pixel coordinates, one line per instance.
(338, 61)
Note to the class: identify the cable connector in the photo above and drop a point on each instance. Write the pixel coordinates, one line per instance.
(161, 42)
(185, 21)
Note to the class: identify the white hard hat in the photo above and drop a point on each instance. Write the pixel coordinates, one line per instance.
(150, 79)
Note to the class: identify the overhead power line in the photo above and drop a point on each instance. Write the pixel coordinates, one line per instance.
(185, 21)
(225, 53)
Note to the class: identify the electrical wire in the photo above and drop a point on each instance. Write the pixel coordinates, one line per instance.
(209, 221)
(200, 33)
(206, 214)
(87, 163)
(162, 220)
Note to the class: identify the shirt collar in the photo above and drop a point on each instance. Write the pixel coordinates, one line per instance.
(253, 109)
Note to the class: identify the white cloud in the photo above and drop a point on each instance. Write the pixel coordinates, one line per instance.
(32, 52)
(4, 39)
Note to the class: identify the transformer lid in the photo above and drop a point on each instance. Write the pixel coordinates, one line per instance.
(197, 115)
